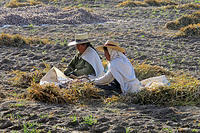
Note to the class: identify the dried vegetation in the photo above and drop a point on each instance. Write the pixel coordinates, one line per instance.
(183, 21)
(144, 71)
(75, 93)
(159, 2)
(188, 25)
(131, 3)
(18, 40)
(24, 79)
(22, 3)
(184, 89)
(184, 6)
(190, 30)
(18, 3)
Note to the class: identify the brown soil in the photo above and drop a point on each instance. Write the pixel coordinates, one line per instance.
(141, 30)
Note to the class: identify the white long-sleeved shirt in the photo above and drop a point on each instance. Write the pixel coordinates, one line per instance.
(121, 69)
(106, 79)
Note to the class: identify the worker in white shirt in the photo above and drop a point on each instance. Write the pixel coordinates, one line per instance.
(119, 69)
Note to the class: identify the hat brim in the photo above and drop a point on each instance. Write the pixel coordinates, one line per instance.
(100, 48)
(75, 43)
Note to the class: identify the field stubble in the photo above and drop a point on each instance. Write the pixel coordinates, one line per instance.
(141, 30)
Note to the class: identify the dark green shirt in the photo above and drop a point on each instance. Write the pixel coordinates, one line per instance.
(78, 67)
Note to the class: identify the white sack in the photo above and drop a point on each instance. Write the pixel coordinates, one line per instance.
(155, 82)
(55, 76)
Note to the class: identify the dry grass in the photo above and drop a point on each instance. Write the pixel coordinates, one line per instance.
(76, 93)
(159, 2)
(47, 1)
(184, 21)
(144, 71)
(131, 3)
(22, 3)
(112, 99)
(18, 40)
(184, 89)
(17, 3)
(184, 6)
(24, 79)
(49, 94)
(192, 30)
(68, 8)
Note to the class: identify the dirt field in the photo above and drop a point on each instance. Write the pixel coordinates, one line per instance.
(140, 30)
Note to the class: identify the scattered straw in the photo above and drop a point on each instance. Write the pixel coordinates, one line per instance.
(18, 40)
(159, 2)
(23, 3)
(190, 31)
(131, 3)
(184, 6)
(144, 71)
(49, 94)
(184, 89)
(184, 21)
(112, 99)
(24, 79)
(76, 93)
(17, 3)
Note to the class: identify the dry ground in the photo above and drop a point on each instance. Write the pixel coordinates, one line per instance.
(141, 30)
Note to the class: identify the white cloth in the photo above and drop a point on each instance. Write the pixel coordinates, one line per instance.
(55, 76)
(155, 82)
(122, 70)
(91, 56)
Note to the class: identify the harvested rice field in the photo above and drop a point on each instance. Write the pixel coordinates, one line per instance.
(160, 37)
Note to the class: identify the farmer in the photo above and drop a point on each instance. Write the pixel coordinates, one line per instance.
(86, 61)
(119, 68)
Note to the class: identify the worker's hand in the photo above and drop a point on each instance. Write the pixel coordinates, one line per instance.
(80, 80)
(83, 80)
(72, 76)
(76, 80)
